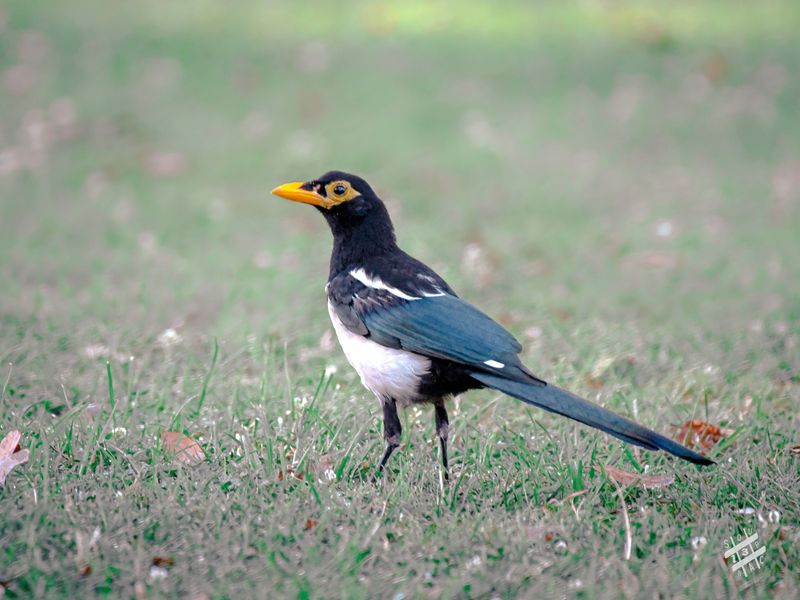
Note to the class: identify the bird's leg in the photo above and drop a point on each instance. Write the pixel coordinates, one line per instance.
(391, 429)
(442, 427)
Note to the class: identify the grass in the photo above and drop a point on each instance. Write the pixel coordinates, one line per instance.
(616, 183)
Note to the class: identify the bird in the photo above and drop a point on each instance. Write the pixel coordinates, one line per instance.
(410, 337)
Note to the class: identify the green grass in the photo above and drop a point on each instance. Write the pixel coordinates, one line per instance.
(532, 157)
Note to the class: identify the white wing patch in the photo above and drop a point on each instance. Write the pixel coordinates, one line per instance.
(376, 284)
(432, 281)
(494, 364)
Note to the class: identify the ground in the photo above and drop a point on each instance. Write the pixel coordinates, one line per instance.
(618, 183)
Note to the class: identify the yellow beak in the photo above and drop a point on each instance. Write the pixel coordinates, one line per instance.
(295, 192)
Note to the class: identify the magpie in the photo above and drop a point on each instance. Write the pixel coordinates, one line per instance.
(410, 337)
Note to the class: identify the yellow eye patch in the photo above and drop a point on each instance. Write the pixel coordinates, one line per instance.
(339, 191)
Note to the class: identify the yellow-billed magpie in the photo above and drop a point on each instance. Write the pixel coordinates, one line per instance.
(412, 339)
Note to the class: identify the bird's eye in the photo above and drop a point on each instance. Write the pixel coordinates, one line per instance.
(339, 189)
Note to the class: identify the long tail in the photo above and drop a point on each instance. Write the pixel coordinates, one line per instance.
(562, 402)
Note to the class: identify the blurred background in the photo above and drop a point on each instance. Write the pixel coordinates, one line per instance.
(618, 182)
(630, 159)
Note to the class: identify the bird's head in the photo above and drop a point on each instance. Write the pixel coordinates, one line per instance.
(358, 219)
(335, 194)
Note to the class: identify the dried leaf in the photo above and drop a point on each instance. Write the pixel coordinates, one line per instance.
(716, 67)
(310, 523)
(796, 449)
(289, 473)
(595, 383)
(85, 570)
(10, 454)
(648, 481)
(164, 164)
(163, 561)
(185, 448)
(698, 433)
(10, 443)
(653, 259)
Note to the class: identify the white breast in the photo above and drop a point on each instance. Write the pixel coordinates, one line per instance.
(386, 372)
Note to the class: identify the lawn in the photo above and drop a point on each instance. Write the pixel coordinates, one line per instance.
(618, 183)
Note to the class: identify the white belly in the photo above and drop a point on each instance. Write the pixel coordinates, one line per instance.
(386, 372)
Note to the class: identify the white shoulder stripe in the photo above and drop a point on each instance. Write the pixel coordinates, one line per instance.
(376, 284)
(494, 364)
(438, 293)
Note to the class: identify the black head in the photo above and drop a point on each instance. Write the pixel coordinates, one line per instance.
(346, 201)
(358, 219)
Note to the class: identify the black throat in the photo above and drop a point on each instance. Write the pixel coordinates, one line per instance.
(362, 230)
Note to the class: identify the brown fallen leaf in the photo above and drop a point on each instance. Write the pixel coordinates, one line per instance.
(596, 383)
(795, 449)
(716, 67)
(648, 481)
(310, 523)
(10, 454)
(653, 259)
(698, 433)
(289, 473)
(163, 561)
(164, 164)
(185, 448)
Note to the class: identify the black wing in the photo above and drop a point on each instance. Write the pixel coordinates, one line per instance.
(432, 323)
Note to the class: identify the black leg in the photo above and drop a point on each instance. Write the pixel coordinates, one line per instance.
(391, 430)
(442, 427)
